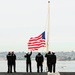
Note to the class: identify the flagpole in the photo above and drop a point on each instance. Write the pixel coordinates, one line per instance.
(48, 31)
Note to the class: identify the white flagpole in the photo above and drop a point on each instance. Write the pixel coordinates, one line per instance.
(48, 31)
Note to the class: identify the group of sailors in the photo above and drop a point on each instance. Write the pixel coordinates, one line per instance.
(11, 57)
(50, 57)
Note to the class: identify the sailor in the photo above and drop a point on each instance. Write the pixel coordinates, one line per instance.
(9, 62)
(14, 61)
(39, 59)
(53, 61)
(28, 60)
(49, 66)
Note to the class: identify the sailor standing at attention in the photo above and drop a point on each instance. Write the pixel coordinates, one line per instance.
(39, 59)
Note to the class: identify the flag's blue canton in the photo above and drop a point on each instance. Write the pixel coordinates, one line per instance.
(43, 35)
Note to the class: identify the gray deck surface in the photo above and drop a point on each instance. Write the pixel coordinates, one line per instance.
(67, 73)
(23, 73)
(35, 73)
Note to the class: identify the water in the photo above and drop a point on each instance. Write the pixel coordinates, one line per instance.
(61, 66)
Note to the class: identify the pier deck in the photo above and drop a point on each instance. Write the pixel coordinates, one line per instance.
(23, 73)
(35, 73)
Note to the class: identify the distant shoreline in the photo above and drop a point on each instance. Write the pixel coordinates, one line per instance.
(61, 56)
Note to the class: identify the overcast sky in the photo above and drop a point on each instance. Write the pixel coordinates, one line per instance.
(22, 19)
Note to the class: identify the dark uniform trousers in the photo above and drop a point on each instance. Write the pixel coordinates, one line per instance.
(49, 67)
(9, 68)
(28, 65)
(14, 67)
(53, 67)
(38, 66)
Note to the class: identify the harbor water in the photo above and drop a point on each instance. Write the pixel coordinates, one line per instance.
(61, 66)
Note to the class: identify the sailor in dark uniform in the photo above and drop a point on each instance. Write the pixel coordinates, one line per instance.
(39, 59)
(49, 66)
(28, 61)
(53, 61)
(9, 62)
(14, 61)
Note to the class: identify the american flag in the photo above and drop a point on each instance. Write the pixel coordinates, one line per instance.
(35, 43)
